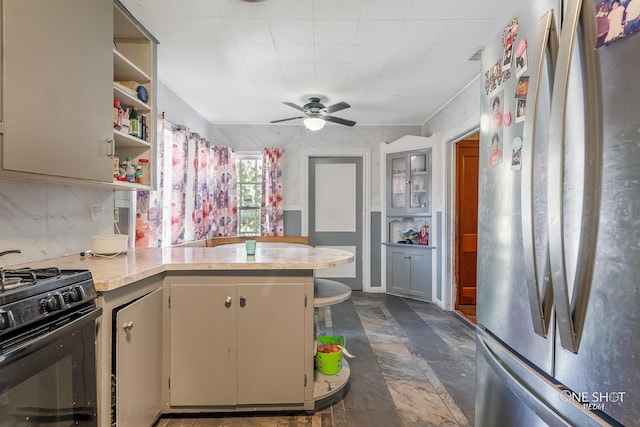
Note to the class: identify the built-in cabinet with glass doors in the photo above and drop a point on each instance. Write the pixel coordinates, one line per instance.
(408, 239)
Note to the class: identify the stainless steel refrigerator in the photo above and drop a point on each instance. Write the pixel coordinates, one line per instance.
(558, 292)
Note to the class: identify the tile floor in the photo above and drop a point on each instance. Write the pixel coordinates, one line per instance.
(414, 367)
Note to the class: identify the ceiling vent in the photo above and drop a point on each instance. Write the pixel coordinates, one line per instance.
(475, 56)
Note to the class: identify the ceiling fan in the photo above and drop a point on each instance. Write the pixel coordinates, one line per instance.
(316, 114)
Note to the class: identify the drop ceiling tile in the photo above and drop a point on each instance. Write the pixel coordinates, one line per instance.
(377, 31)
(333, 31)
(385, 9)
(267, 77)
(370, 53)
(422, 31)
(290, 52)
(408, 53)
(248, 30)
(257, 52)
(468, 32)
(298, 74)
(333, 53)
(337, 9)
(286, 9)
(332, 77)
(189, 29)
(238, 9)
(291, 31)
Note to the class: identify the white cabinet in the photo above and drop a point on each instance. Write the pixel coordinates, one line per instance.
(139, 361)
(59, 64)
(235, 342)
(57, 77)
(410, 179)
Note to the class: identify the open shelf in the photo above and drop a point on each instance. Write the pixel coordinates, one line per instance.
(328, 389)
(329, 292)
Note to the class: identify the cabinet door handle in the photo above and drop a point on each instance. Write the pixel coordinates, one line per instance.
(112, 148)
(227, 302)
(243, 301)
(407, 257)
(127, 326)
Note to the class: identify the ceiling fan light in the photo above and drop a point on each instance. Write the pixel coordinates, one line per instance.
(314, 123)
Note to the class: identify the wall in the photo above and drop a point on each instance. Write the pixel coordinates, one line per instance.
(47, 220)
(459, 117)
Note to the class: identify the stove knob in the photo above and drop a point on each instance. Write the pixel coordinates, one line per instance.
(75, 294)
(6, 319)
(52, 302)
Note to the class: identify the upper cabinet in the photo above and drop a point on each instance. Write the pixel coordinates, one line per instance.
(409, 186)
(58, 72)
(134, 88)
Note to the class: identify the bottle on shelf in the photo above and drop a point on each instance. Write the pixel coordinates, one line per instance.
(129, 170)
(133, 123)
(146, 171)
(139, 179)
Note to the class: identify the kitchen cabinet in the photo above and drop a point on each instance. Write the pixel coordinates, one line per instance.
(139, 361)
(58, 88)
(409, 186)
(134, 64)
(130, 358)
(238, 341)
(409, 271)
(409, 180)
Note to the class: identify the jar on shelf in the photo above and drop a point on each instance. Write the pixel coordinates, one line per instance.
(146, 171)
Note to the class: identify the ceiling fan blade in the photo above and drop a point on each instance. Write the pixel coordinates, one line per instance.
(290, 118)
(339, 120)
(337, 107)
(291, 104)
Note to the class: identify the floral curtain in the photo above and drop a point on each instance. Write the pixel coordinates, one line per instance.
(216, 200)
(196, 197)
(271, 215)
(149, 203)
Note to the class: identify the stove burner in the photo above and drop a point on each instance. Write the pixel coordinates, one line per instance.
(14, 278)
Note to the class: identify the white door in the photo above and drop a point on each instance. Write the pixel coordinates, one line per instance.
(336, 212)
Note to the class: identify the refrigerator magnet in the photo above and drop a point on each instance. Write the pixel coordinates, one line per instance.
(521, 109)
(521, 57)
(516, 151)
(495, 157)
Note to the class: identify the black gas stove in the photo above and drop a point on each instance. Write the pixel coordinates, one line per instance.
(29, 296)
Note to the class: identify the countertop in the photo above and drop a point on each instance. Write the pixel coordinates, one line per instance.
(112, 273)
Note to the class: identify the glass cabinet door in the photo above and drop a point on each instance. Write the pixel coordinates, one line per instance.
(419, 181)
(399, 183)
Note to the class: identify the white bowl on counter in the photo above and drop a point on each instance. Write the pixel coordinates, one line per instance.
(109, 244)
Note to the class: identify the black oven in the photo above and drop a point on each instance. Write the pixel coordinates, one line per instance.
(48, 350)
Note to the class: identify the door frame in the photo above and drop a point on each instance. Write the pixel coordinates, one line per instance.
(365, 155)
(451, 137)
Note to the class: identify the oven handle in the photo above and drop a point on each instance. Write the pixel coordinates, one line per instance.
(48, 338)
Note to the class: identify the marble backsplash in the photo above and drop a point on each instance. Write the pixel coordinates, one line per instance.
(49, 220)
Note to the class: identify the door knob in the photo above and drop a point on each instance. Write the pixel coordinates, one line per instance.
(127, 326)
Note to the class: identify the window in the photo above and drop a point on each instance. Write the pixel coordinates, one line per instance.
(249, 169)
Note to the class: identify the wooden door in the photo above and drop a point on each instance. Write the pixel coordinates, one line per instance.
(467, 158)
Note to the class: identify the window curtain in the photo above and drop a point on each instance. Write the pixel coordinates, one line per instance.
(196, 197)
(271, 214)
(216, 200)
(149, 212)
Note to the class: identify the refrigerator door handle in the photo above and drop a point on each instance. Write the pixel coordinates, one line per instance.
(578, 26)
(546, 47)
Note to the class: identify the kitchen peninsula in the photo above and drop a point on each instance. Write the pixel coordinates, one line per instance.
(205, 329)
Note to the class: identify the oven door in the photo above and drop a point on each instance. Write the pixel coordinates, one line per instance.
(48, 374)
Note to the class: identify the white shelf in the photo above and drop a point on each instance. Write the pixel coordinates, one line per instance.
(329, 388)
(329, 292)
(125, 70)
(128, 186)
(125, 140)
(127, 100)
